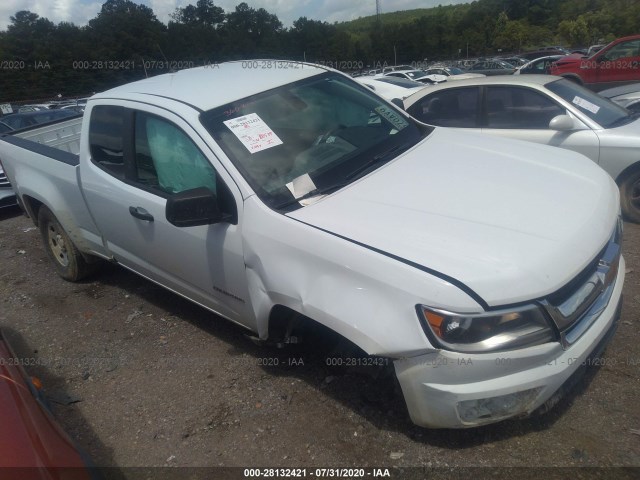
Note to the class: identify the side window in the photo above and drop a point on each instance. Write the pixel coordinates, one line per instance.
(520, 108)
(456, 107)
(106, 138)
(167, 159)
(623, 50)
(540, 66)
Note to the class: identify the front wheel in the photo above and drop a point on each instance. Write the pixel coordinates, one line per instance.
(67, 259)
(630, 196)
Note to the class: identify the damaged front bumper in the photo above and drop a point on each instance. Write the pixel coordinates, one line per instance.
(446, 389)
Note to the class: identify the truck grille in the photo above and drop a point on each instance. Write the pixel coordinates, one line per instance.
(576, 307)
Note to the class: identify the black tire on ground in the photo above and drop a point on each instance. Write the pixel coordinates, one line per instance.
(67, 259)
(630, 196)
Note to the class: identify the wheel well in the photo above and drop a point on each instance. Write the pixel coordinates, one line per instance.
(634, 167)
(32, 207)
(285, 323)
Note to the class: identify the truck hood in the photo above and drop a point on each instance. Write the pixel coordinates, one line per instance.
(513, 221)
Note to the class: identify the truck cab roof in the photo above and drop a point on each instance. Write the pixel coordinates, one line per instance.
(217, 84)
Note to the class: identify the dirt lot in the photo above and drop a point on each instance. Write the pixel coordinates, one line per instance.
(141, 377)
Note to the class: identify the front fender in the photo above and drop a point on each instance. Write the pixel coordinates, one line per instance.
(365, 296)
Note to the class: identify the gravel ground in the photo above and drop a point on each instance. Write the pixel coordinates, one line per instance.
(143, 378)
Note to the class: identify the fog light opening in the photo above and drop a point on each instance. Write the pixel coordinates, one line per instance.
(487, 410)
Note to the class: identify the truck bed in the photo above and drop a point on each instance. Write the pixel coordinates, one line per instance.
(61, 140)
(57, 140)
(64, 135)
(48, 174)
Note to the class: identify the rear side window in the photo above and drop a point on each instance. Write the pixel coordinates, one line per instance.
(106, 129)
(456, 107)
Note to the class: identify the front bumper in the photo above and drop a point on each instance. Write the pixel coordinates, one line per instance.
(446, 389)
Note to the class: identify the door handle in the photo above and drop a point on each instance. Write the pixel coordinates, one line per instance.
(141, 213)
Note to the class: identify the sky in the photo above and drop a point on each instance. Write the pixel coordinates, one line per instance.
(81, 11)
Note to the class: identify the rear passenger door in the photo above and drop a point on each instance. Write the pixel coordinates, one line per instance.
(139, 157)
(524, 113)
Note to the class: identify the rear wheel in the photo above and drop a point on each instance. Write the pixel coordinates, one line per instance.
(67, 259)
(630, 196)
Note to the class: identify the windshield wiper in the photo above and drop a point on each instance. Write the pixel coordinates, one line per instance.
(313, 193)
(379, 158)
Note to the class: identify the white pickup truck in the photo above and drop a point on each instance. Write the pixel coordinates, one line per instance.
(488, 271)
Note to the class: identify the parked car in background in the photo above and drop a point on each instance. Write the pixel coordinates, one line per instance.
(542, 53)
(555, 48)
(492, 67)
(538, 66)
(452, 73)
(32, 443)
(515, 61)
(28, 119)
(594, 49)
(616, 64)
(4, 127)
(543, 109)
(397, 68)
(391, 87)
(74, 108)
(627, 96)
(37, 107)
(418, 76)
(7, 195)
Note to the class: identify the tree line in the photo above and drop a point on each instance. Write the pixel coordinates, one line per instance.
(126, 41)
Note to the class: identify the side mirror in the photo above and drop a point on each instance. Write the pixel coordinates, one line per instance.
(398, 103)
(562, 123)
(191, 208)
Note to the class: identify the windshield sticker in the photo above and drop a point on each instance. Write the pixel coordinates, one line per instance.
(391, 116)
(6, 109)
(586, 104)
(253, 132)
(301, 185)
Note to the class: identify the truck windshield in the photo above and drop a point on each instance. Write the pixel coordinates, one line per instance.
(309, 136)
(601, 110)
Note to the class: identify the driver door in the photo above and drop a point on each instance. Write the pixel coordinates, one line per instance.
(139, 157)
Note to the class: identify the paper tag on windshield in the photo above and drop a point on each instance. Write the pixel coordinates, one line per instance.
(586, 104)
(253, 132)
(302, 185)
(392, 116)
(6, 109)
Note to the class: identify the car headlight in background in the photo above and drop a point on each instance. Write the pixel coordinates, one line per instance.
(498, 330)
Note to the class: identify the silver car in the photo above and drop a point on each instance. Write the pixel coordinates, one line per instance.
(543, 109)
(627, 96)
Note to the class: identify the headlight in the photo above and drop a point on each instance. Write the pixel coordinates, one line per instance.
(507, 329)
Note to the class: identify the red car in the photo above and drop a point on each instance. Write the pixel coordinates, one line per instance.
(616, 64)
(32, 444)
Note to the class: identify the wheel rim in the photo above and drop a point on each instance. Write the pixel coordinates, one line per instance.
(57, 245)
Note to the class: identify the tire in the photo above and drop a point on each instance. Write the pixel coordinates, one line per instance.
(630, 196)
(67, 259)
